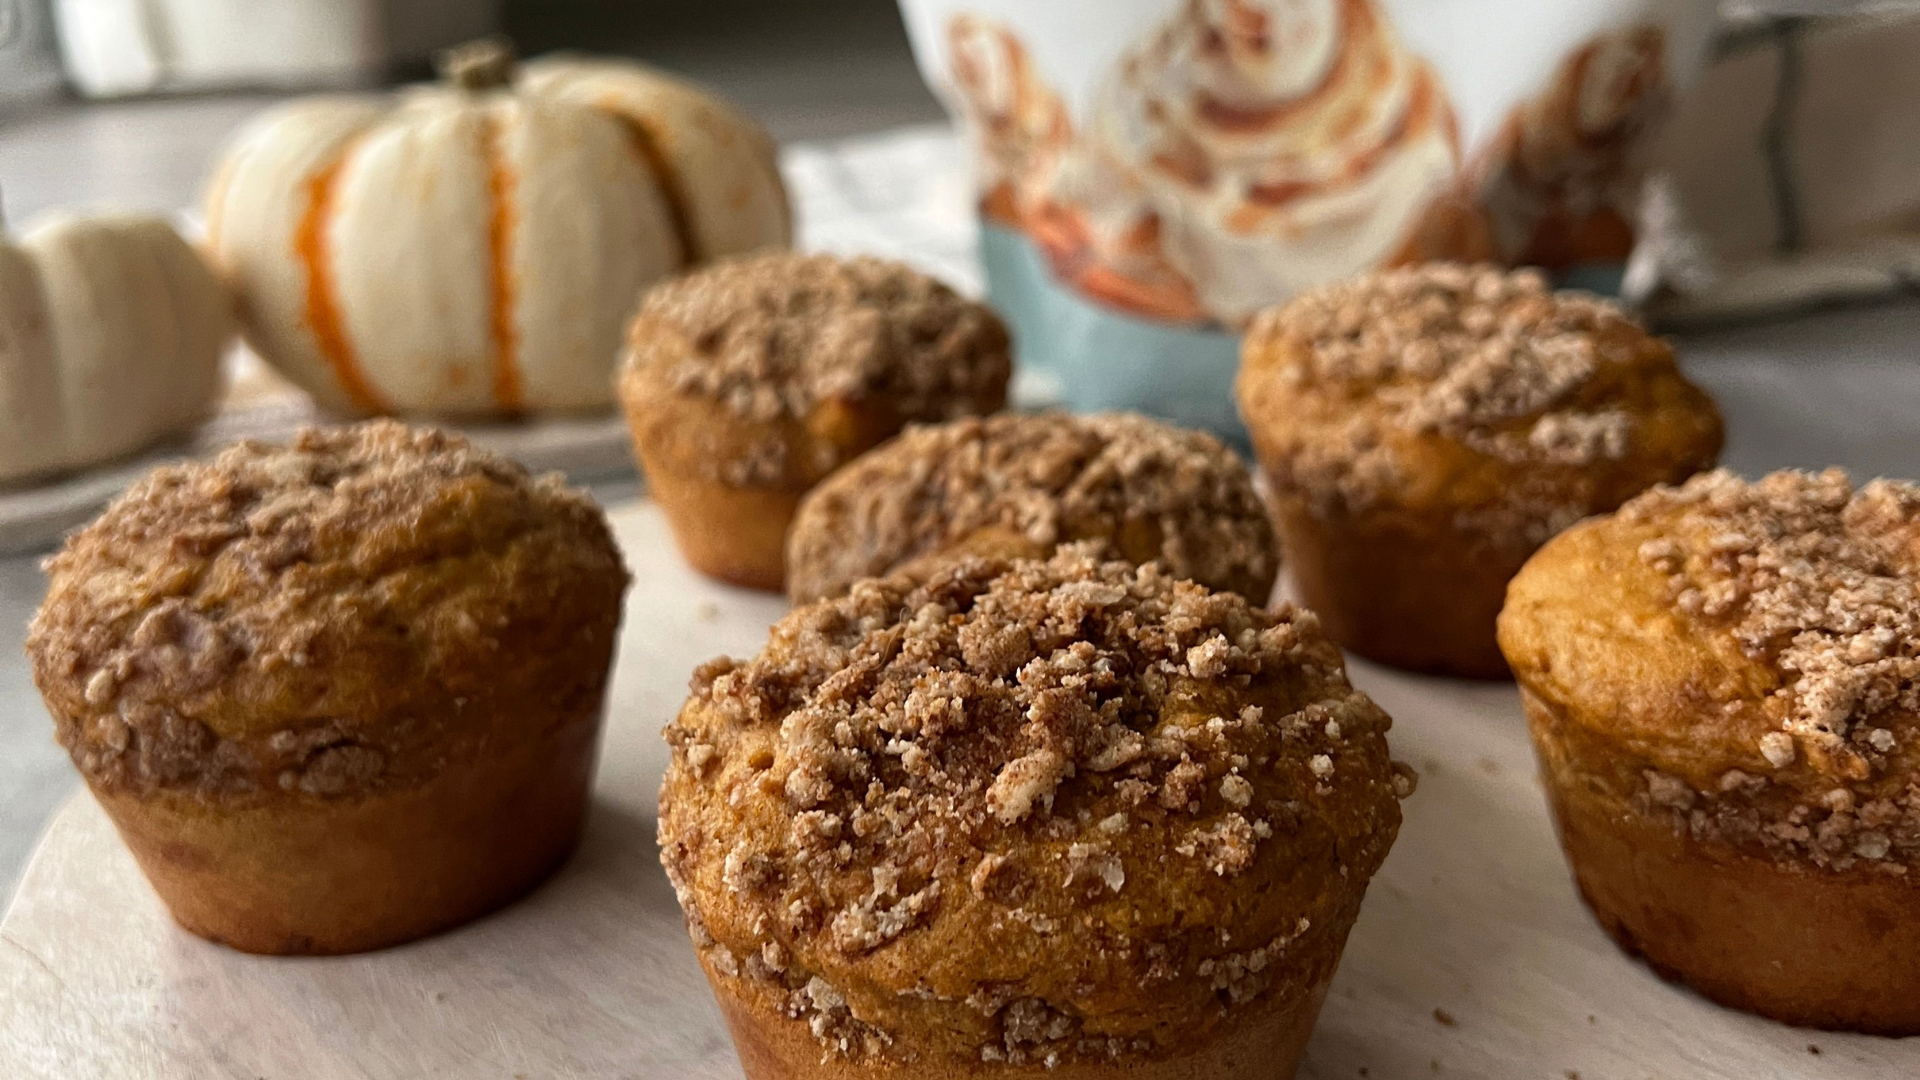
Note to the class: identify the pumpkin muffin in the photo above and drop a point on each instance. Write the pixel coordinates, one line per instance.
(1723, 684)
(1020, 485)
(1068, 814)
(748, 382)
(1424, 430)
(340, 694)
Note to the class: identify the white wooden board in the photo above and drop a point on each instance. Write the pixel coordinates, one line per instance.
(592, 977)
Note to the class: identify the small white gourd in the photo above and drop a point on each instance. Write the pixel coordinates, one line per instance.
(111, 334)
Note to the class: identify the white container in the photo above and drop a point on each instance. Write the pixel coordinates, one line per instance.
(114, 48)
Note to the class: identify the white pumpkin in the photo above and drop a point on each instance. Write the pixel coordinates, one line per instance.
(476, 247)
(111, 333)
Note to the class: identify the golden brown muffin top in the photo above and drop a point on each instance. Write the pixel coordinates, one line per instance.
(1753, 647)
(1026, 809)
(345, 611)
(1153, 491)
(774, 336)
(1455, 384)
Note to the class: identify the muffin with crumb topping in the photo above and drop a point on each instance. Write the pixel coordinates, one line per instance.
(339, 694)
(1020, 485)
(1065, 814)
(1723, 684)
(1424, 430)
(747, 382)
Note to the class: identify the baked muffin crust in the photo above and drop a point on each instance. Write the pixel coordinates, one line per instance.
(777, 341)
(1027, 812)
(1471, 389)
(1748, 657)
(1023, 484)
(1423, 431)
(317, 619)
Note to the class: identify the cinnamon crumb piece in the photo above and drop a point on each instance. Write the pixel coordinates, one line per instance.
(1025, 782)
(1236, 790)
(984, 870)
(1227, 848)
(699, 755)
(1405, 780)
(1090, 861)
(1777, 748)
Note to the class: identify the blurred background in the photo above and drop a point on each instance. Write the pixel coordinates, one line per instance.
(124, 102)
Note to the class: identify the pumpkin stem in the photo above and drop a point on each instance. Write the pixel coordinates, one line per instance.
(486, 64)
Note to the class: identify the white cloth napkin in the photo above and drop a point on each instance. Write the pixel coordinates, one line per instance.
(1789, 176)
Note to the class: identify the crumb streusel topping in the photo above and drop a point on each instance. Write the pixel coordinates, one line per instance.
(1048, 479)
(313, 617)
(1820, 582)
(1465, 351)
(1055, 809)
(773, 335)
(1491, 359)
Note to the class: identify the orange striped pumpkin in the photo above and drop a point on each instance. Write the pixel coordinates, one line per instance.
(475, 247)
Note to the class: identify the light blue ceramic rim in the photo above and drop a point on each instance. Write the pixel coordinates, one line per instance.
(1079, 355)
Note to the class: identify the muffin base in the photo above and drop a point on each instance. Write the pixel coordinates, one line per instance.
(735, 534)
(1266, 1044)
(290, 874)
(1399, 590)
(1815, 948)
